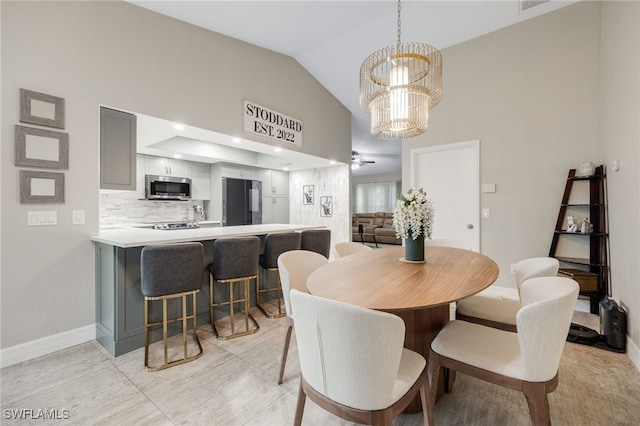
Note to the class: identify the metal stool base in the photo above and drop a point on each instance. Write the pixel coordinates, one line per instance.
(231, 302)
(278, 289)
(165, 321)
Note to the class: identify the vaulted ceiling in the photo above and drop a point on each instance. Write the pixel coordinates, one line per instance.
(331, 39)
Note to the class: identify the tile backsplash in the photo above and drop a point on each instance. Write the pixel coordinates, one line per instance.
(119, 208)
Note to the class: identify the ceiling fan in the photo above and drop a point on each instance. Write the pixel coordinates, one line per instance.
(357, 161)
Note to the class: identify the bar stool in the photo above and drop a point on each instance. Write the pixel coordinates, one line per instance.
(171, 271)
(234, 260)
(274, 246)
(318, 240)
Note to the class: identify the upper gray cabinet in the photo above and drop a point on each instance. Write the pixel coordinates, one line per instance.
(117, 150)
(166, 167)
(274, 182)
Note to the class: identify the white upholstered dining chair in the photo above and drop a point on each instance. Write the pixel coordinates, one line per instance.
(347, 248)
(353, 361)
(294, 268)
(526, 360)
(501, 313)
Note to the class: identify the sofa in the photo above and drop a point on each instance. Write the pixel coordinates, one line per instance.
(376, 228)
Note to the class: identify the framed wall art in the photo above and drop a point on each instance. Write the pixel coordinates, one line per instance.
(307, 194)
(326, 206)
(41, 187)
(42, 109)
(41, 148)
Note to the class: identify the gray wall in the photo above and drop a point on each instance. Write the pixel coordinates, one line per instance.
(620, 140)
(114, 53)
(544, 96)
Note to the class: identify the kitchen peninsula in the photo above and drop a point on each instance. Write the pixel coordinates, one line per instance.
(119, 300)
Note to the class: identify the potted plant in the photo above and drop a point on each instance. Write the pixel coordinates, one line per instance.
(413, 221)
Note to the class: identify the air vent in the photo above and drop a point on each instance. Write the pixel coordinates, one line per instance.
(528, 4)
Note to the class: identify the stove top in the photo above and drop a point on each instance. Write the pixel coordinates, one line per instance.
(168, 226)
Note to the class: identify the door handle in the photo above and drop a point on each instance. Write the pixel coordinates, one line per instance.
(470, 226)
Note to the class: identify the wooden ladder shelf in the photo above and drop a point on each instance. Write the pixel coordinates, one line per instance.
(592, 272)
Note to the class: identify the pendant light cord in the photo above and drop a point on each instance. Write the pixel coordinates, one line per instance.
(398, 46)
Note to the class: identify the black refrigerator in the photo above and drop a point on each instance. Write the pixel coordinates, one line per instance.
(241, 202)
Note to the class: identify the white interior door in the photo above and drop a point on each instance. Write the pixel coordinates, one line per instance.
(450, 175)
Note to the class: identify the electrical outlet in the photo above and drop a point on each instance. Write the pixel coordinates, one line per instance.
(78, 217)
(513, 269)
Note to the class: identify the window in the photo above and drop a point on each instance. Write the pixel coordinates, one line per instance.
(375, 197)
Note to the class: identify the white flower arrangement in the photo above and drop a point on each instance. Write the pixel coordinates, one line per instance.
(413, 214)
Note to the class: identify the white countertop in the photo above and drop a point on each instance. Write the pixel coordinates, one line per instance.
(126, 237)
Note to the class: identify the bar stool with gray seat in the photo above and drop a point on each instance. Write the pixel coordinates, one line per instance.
(318, 240)
(234, 260)
(171, 271)
(274, 246)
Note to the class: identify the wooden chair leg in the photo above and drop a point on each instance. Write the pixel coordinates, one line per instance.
(381, 418)
(424, 395)
(536, 395)
(434, 372)
(450, 376)
(285, 352)
(302, 397)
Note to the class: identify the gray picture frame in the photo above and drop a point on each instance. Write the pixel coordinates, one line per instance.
(326, 206)
(28, 115)
(308, 196)
(51, 192)
(24, 152)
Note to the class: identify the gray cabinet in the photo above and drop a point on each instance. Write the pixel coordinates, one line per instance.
(166, 167)
(275, 209)
(117, 150)
(120, 303)
(201, 181)
(274, 182)
(275, 195)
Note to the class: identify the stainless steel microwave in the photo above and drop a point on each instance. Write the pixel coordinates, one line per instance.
(167, 188)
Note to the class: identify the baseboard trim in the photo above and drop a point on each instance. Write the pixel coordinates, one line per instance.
(633, 352)
(46, 345)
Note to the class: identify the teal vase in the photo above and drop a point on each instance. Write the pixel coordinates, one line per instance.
(414, 249)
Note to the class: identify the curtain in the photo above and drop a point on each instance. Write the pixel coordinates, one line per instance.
(375, 197)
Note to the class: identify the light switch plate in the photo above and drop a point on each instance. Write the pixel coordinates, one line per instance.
(78, 217)
(488, 187)
(486, 213)
(42, 218)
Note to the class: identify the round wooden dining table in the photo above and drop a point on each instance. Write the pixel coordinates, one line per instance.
(419, 293)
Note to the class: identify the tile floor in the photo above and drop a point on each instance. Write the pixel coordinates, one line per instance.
(234, 383)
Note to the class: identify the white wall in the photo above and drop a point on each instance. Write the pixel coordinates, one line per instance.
(620, 140)
(544, 96)
(330, 181)
(114, 53)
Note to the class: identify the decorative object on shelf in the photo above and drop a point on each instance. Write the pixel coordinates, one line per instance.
(41, 187)
(586, 227)
(307, 194)
(413, 221)
(586, 169)
(42, 109)
(398, 86)
(571, 225)
(41, 148)
(326, 206)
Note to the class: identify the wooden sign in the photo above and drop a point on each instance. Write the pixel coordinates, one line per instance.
(271, 124)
